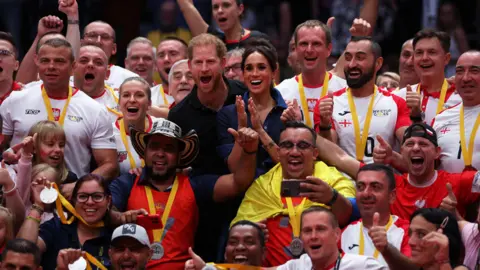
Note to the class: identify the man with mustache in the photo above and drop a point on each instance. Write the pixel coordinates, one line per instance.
(433, 94)
(457, 127)
(375, 192)
(351, 117)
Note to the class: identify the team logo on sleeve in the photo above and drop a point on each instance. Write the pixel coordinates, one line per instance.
(122, 156)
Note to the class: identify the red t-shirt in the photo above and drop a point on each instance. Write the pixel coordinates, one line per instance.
(465, 185)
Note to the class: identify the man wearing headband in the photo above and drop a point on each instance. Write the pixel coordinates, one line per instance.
(177, 198)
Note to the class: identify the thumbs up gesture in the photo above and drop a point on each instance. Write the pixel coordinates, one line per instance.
(449, 203)
(378, 234)
(414, 102)
(325, 108)
(382, 153)
(292, 113)
(247, 138)
(196, 263)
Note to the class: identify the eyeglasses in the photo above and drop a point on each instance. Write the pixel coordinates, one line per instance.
(234, 67)
(289, 145)
(93, 36)
(96, 197)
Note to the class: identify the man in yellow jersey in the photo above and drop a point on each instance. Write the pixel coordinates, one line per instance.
(433, 94)
(89, 73)
(353, 116)
(313, 45)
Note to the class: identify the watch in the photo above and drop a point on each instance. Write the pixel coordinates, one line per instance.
(334, 198)
(327, 128)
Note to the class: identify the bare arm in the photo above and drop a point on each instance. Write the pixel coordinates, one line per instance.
(342, 209)
(70, 8)
(107, 163)
(369, 13)
(396, 260)
(335, 156)
(330, 135)
(194, 20)
(13, 201)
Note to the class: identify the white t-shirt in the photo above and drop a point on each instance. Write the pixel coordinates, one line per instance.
(289, 90)
(87, 125)
(157, 97)
(447, 126)
(117, 76)
(430, 101)
(397, 236)
(348, 262)
(389, 114)
(110, 101)
(122, 154)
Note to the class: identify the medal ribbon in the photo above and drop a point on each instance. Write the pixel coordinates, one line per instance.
(443, 94)
(48, 106)
(303, 99)
(123, 135)
(361, 245)
(62, 202)
(112, 92)
(467, 152)
(361, 138)
(157, 234)
(294, 214)
(94, 261)
(165, 101)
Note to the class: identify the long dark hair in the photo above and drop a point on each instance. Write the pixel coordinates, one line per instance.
(437, 216)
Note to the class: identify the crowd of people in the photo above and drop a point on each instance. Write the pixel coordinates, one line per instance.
(223, 166)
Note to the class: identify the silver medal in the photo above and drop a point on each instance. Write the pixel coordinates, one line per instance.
(158, 251)
(296, 247)
(48, 195)
(80, 264)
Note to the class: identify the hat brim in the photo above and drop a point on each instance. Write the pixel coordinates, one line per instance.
(187, 154)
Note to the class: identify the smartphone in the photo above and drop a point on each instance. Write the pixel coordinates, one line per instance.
(291, 187)
(150, 222)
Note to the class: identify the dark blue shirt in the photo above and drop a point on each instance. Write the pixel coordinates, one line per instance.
(59, 236)
(227, 118)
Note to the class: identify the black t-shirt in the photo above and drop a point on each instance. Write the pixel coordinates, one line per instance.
(233, 44)
(191, 114)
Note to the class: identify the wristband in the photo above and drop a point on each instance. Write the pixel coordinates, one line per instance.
(73, 21)
(11, 190)
(327, 128)
(250, 153)
(34, 219)
(38, 208)
(334, 198)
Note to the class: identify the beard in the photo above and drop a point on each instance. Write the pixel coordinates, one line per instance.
(360, 81)
(160, 177)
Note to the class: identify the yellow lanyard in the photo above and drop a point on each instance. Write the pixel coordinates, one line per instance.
(165, 101)
(112, 92)
(48, 106)
(94, 261)
(61, 201)
(157, 234)
(294, 214)
(362, 239)
(303, 99)
(467, 152)
(225, 266)
(123, 135)
(361, 139)
(443, 94)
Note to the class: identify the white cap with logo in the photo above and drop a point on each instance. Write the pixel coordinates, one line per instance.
(134, 231)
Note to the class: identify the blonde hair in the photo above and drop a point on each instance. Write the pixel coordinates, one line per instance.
(44, 167)
(8, 218)
(205, 40)
(392, 75)
(44, 129)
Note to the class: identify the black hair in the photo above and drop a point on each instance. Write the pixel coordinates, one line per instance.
(375, 47)
(333, 219)
(442, 37)
(9, 38)
(265, 48)
(298, 124)
(436, 216)
(380, 168)
(58, 43)
(19, 245)
(313, 24)
(261, 235)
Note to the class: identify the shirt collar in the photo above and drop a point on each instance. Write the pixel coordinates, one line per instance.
(194, 95)
(144, 182)
(276, 95)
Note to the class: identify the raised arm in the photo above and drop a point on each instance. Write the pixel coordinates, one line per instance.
(231, 185)
(70, 8)
(194, 20)
(369, 13)
(27, 71)
(12, 198)
(265, 139)
(335, 156)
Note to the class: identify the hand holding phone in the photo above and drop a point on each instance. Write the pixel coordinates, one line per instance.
(150, 222)
(292, 188)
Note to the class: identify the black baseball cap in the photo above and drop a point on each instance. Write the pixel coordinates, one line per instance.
(421, 130)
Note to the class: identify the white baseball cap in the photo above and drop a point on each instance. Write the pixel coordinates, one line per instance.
(134, 231)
